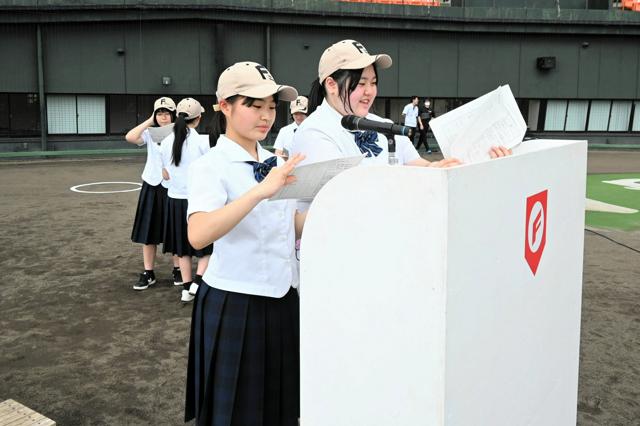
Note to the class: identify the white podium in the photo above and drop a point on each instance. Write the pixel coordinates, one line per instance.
(446, 296)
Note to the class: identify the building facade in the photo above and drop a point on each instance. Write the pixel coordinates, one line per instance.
(87, 72)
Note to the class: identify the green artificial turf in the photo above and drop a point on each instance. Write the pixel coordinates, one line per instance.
(613, 194)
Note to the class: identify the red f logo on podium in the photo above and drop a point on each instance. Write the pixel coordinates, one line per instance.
(536, 229)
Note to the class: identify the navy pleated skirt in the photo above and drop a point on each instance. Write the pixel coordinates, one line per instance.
(176, 240)
(244, 359)
(148, 225)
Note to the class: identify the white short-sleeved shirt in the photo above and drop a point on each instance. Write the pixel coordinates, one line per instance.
(410, 113)
(405, 151)
(321, 137)
(285, 137)
(314, 140)
(152, 173)
(258, 255)
(194, 146)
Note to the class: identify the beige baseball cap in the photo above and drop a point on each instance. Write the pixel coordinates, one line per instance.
(301, 104)
(253, 80)
(164, 102)
(191, 107)
(349, 55)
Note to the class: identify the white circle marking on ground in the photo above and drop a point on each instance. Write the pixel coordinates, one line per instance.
(76, 188)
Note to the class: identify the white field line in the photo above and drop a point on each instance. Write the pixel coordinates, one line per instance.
(599, 206)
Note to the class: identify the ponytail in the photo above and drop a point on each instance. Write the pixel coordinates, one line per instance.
(316, 95)
(180, 132)
(217, 126)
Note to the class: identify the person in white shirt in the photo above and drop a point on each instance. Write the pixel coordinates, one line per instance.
(244, 348)
(149, 221)
(347, 84)
(410, 116)
(179, 150)
(298, 109)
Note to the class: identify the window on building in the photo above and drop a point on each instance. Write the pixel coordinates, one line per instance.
(61, 114)
(25, 113)
(19, 114)
(82, 114)
(555, 116)
(145, 106)
(599, 116)
(442, 106)
(592, 116)
(5, 126)
(523, 106)
(122, 114)
(620, 115)
(576, 116)
(636, 117)
(91, 115)
(533, 114)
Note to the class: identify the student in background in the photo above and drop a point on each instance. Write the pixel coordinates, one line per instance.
(298, 109)
(179, 150)
(149, 221)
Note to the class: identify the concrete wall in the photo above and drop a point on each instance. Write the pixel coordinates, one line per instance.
(83, 58)
(127, 46)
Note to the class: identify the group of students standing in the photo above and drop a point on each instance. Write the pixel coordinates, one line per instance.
(243, 363)
(162, 205)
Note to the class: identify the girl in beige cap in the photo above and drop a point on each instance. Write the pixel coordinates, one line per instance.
(149, 222)
(244, 346)
(299, 110)
(179, 150)
(347, 84)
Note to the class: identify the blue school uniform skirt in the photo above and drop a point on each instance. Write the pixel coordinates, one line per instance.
(176, 240)
(148, 225)
(244, 359)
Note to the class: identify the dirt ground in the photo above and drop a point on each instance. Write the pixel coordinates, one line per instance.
(78, 345)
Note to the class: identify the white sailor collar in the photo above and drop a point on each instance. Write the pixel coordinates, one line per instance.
(236, 153)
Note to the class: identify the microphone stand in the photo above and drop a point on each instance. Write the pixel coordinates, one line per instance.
(393, 160)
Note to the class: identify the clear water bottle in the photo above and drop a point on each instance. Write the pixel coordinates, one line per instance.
(393, 160)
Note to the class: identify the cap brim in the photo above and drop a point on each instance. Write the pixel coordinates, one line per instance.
(383, 61)
(285, 93)
(164, 107)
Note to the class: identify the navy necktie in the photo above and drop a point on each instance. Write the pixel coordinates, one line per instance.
(366, 141)
(261, 170)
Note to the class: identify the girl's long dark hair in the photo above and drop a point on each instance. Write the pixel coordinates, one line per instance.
(218, 124)
(155, 120)
(347, 81)
(180, 132)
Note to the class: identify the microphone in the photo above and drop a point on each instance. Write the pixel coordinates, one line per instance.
(353, 122)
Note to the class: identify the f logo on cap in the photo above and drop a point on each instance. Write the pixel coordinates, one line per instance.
(264, 73)
(298, 103)
(360, 47)
(163, 101)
